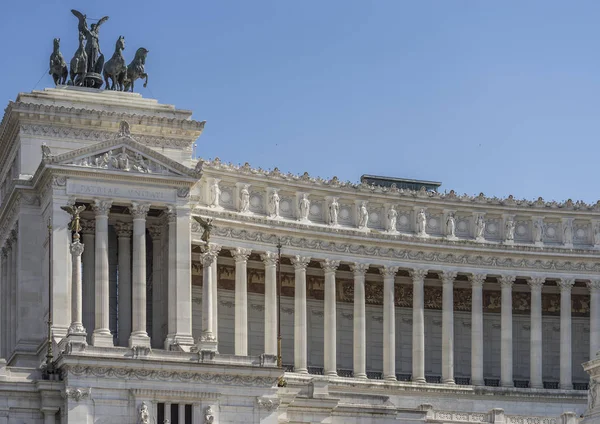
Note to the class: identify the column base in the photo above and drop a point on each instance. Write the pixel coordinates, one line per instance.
(301, 370)
(477, 383)
(536, 386)
(390, 378)
(505, 384)
(179, 342)
(102, 338)
(140, 339)
(330, 373)
(419, 380)
(362, 376)
(74, 342)
(448, 381)
(205, 345)
(566, 386)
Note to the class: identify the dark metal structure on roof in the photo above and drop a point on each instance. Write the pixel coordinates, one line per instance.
(400, 183)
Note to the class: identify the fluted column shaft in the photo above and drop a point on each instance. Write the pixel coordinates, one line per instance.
(448, 327)
(157, 335)
(535, 350)
(139, 336)
(76, 328)
(3, 305)
(418, 346)
(594, 287)
(329, 317)
(300, 329)
(9, 305)
(270, 261)
(215, 295)
(360, 352)
(241, 300)
(566, 358)
(389, 323)
(207, 298)
(102, 336)
(477, 281)
(124, 263)
(89, 270)
(506, 333)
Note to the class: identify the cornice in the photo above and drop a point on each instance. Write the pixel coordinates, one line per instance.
(414, 252)
(450, 200)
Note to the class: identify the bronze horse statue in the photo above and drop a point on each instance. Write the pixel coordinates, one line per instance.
(58, 66)
(79, 64)
(135, 70)
(116, 69)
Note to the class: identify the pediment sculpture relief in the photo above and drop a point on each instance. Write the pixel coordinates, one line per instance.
(122, 159)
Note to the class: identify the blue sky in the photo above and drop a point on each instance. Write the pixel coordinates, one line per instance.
(494, 97)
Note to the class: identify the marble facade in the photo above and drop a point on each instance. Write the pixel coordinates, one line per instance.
(396, 305)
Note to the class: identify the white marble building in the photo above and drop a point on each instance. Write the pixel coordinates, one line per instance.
(396, 305)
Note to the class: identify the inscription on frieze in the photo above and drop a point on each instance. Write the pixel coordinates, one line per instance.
(116, 190)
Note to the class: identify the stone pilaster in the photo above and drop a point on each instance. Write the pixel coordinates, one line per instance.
(139, 336)
(448, 327)
(535, 350)
(102, 336)
(124, 231)
(566, 356)
(241, 300)
(270, 261)
(418, 346)
(360, 341)
(506, 333)
(300, 328)
(477, 281)
(594, 286)
(389, 323)
(330, 335)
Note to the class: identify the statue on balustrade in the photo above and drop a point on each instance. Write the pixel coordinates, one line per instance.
(450, 226)
(274, 204)
(422, 223)
(363, 216)
(334, 209)
(215, 193)
(568, 232)
(304, 207)
(392, 218)
(510, 230)
(538, 230)
(144, 414)
(480, 227)
(245, 199)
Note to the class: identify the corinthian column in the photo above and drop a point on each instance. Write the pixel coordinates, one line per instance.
(157, 287)
(241, 300)
(102, 336)
(89, 272)
(207, 339)
(124, 259)
(566, 361)
(389, 323)
(535, 350)
(448, 327)
(139, 336)
(76, 333)
(329, 350)
(360, 353)
(270, 260)
(594, 287)
(477, 329)
(506, 336)
(300, 331)
(418, 348)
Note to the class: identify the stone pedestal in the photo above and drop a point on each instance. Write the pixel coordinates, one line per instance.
(592, 413)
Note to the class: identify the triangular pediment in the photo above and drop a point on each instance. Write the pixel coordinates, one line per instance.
(121, 154)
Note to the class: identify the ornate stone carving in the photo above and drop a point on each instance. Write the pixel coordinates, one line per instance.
(538, 230)
(567, 229)
(269, 404)
(448, 277)
(536, 283)
(245, 199)
(363, 216)
(418, 274)
(593, 285)
(432, 297)
(139, 210)
(155, 231)
(274, 204)
(102, 207)
(240, 254)
(329, 265)
(183, 192)
(215, 193)
(143, 414)
(392, 216)
(509, 230)
(334, 209)
(124, 159)
(300, 262)
(209, 415)
(304, 208)
(480, 227)
(124, 229)
(421, 223)
(388, 271)
(78, 394)
(269, 258)
(450, 227)
(359, 269)
(76, 248)
(88, 226)
(565, 284)
(507, 280)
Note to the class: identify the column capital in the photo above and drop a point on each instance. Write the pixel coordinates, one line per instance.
(240, 254)
(418, 274)
(155, 231)
(14, 235)
(565, 284)
(359, 269)
(269, 258)
(214, 248)
(300, 262)
(477, 280)
(88, 226)
(593, 285)
(330, 265)
(388, 271)
(536, 283)
(139, 210)
(448, 277)
(507, 281)
(101, 207)
(208, 258)
(124, 229)
(4, 252)
(171, 213)
(76, 248)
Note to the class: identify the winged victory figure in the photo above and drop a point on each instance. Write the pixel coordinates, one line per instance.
(206, 225)
(75, 225)
(92, 45)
